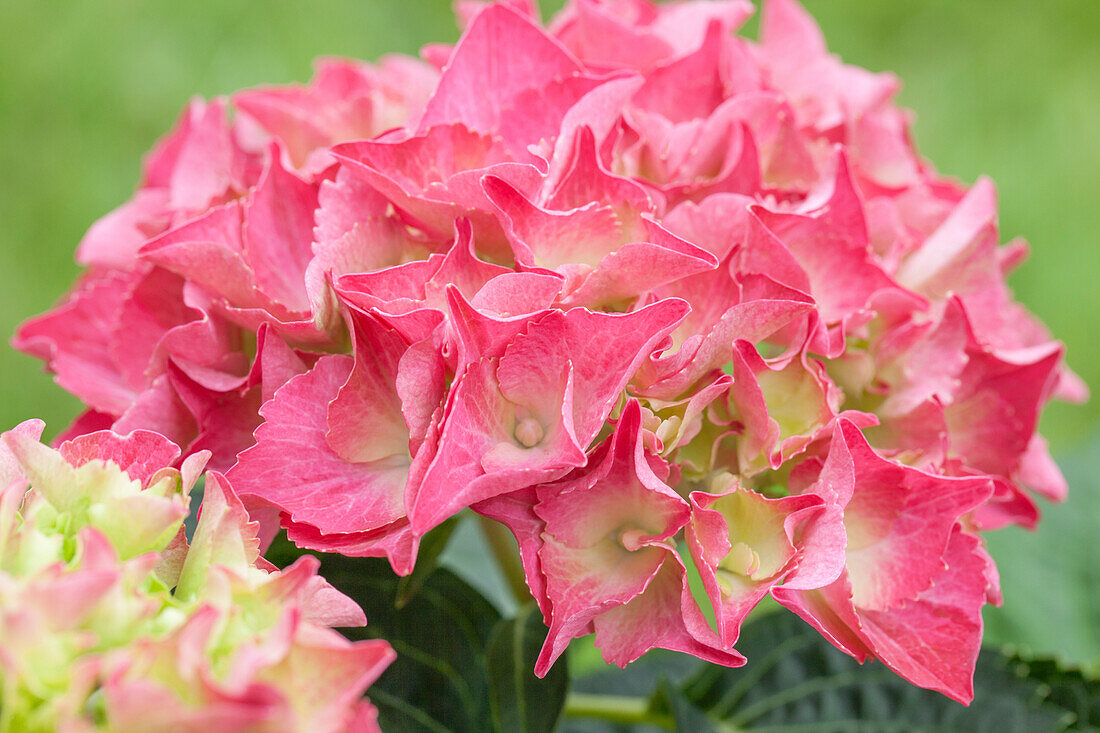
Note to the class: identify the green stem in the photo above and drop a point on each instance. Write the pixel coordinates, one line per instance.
(616, 709)
(504, 548)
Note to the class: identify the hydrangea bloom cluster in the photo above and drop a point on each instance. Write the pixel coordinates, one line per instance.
(110, 620)
(647, 292)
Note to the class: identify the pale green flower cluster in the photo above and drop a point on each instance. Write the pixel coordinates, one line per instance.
(110, 620)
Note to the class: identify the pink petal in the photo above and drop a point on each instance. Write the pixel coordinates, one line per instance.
(501, 54)
(899, 521)
(659, 618)
(141, 454)
(365, 418)
(278, 231)
(764, 532)
(934, 641)
(293, 466)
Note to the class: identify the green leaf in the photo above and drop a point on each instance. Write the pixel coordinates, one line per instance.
(439, 680)
(282, 552)
(520, 701)
(439, 626)
(638, 678)
(1068, 688)
(1051, 577)
(636, 682)
(432, 546)
(191, 521)
(468, 555)
(685, 716)
(797, 682)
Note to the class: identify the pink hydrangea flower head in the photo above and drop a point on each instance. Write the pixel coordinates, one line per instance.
(644, 290)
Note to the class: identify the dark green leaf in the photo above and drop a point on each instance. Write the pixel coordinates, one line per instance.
(438, 681)
(639, 679)
(468, 555)
(427, 560)
(439, 627)
(795, 681)
(1051, 577)
(1068, 688)
(192, 519)
(670, 700)
(519, 700)
(283, 552)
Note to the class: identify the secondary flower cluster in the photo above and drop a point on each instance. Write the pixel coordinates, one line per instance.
(111, 620)
(645, 291)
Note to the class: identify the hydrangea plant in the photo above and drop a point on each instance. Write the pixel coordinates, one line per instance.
(686, 313)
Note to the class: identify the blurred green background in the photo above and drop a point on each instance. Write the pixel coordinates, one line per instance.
(1007, 88)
